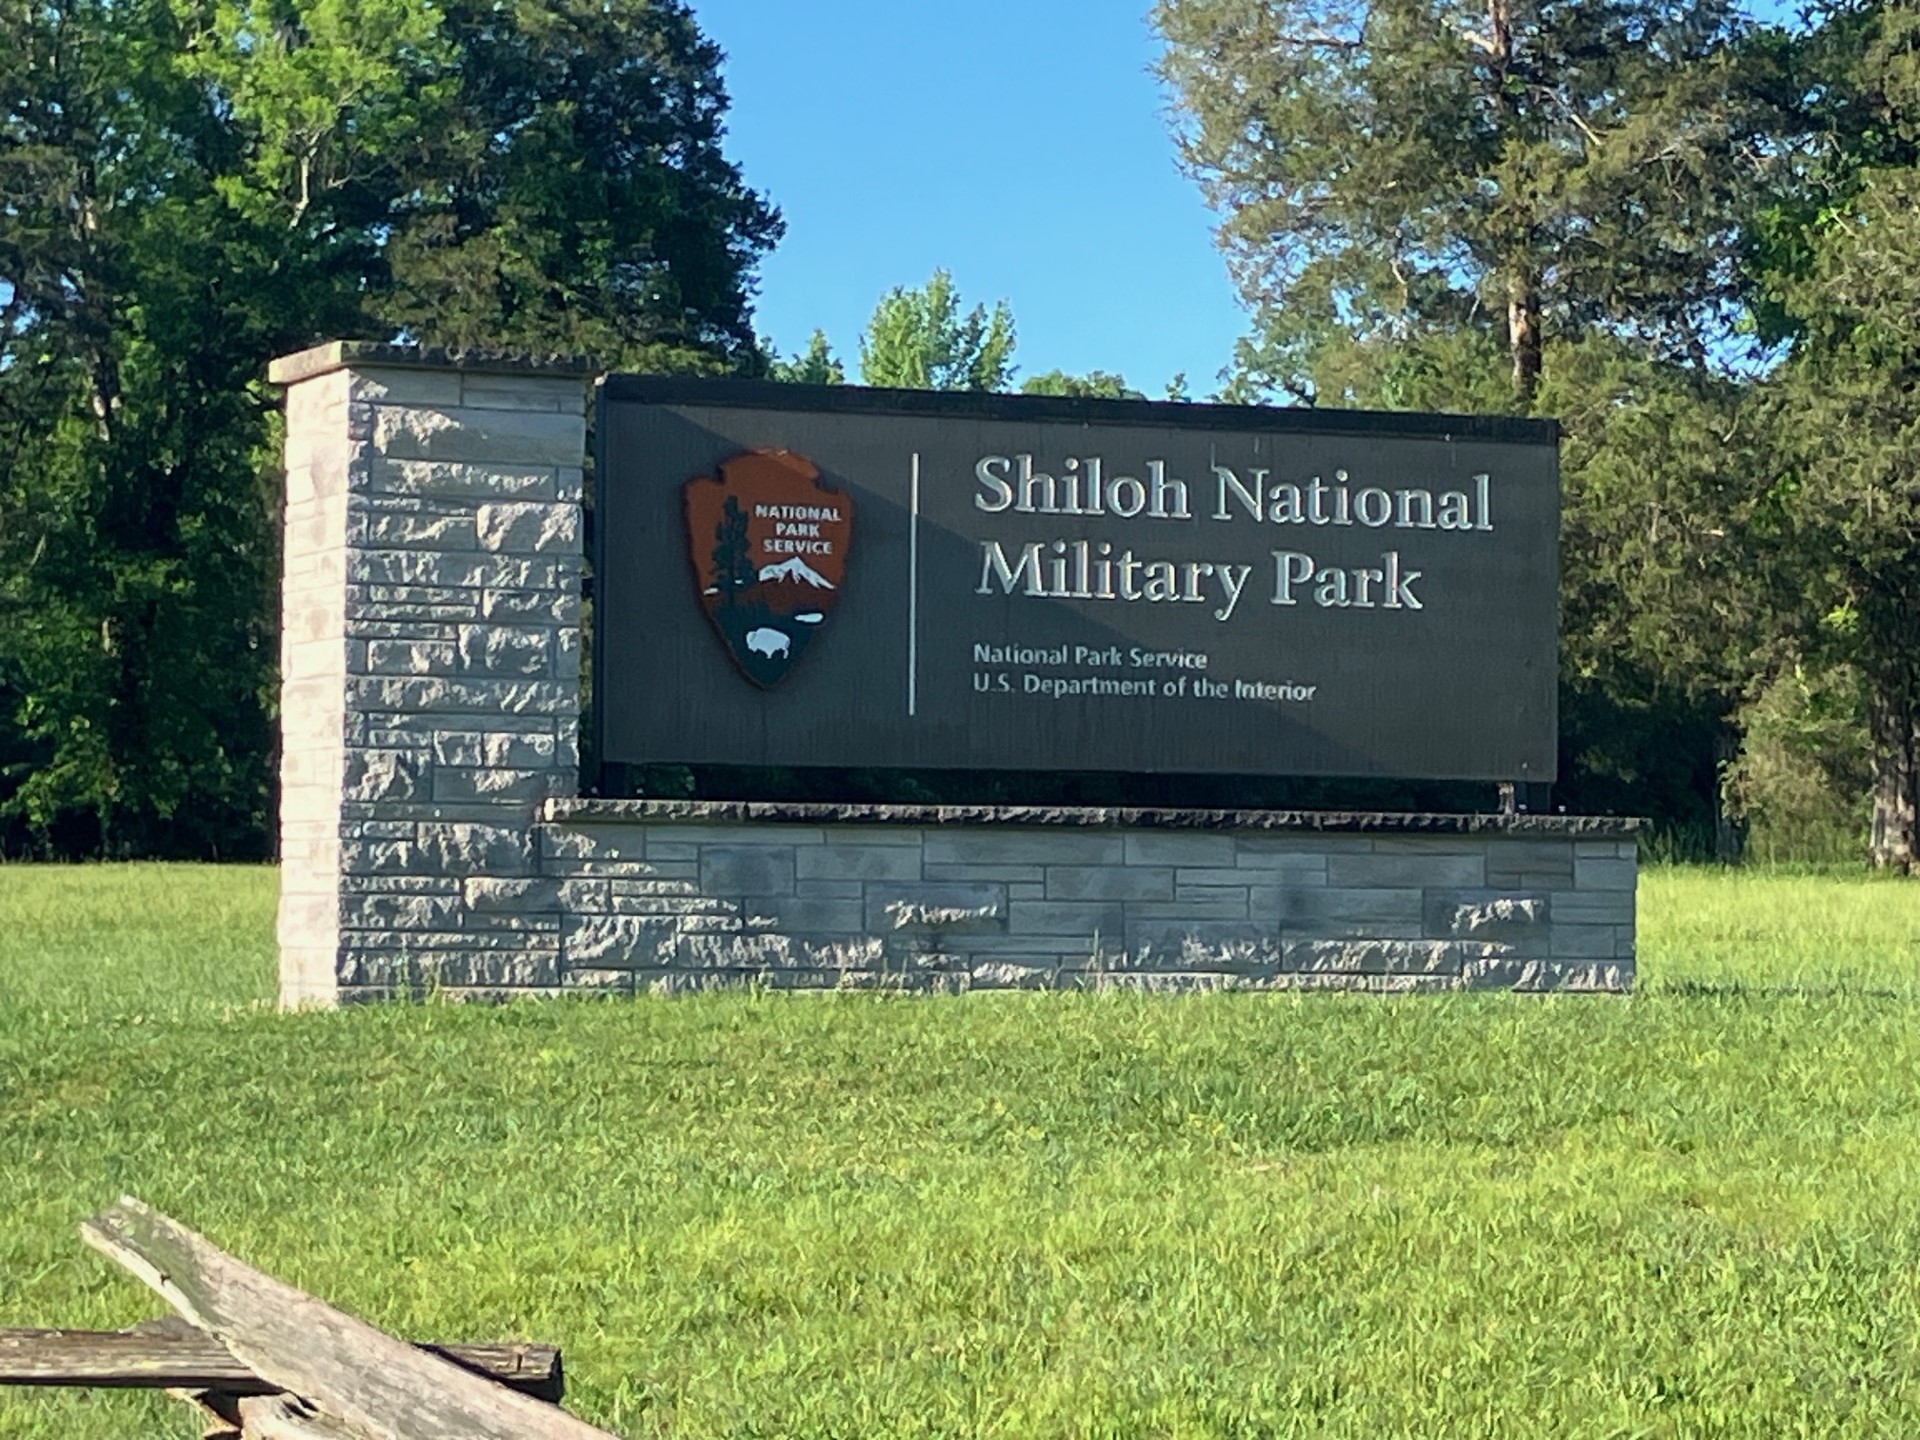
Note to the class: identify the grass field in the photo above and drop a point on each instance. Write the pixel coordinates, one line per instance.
(1695, 1212)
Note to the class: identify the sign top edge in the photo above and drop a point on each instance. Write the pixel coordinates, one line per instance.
(861, 399)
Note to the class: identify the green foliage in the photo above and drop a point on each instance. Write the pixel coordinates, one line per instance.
(1094, 385)
(1805, 767)
(1408, 166)
(575, 197)
(816, 365)
(919, 340)
(190, 187)
(1842, 520)
(1686, 1213)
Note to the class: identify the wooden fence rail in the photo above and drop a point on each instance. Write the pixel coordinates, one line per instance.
(265, 1361)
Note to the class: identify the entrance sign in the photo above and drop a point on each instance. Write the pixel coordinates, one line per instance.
(1047, 583)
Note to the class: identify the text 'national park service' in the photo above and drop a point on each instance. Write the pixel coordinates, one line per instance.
(1082, 569)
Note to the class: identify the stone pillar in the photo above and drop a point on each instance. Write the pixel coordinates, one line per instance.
(430, 668)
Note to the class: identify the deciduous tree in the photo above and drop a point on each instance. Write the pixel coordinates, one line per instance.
(919, 340)
(1540, 168)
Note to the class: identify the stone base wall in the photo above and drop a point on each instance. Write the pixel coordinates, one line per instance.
(671, 896)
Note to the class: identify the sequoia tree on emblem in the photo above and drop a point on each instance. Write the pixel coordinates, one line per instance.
(768, 541)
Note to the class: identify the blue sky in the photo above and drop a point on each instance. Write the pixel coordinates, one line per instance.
(1021, 146)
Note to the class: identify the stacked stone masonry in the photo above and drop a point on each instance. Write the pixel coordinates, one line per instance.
(430, 666)
(432, 838)
(672, 896)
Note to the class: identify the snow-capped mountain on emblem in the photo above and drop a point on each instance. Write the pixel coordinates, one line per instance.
(796, 569)
(768, 540)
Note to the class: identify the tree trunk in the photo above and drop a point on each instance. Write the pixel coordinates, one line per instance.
(1895, 720)
(1523, 286)
(1523, 335)
(1729, 834)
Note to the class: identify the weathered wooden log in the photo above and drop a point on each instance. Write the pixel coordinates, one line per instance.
(191, 1359)
(280, 1417)
(360, 1378)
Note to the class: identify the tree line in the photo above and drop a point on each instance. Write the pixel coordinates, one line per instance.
(1685, 233)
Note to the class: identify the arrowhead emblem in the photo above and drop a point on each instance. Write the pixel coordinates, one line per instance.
(768, 540)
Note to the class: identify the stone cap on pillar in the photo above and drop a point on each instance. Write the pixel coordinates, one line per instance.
(334, 355)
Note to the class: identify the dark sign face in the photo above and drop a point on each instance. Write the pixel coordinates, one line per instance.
(768, 542)
(1066, 584)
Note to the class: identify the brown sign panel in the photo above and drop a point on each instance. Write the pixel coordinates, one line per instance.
(768, 541)
(1048, 583)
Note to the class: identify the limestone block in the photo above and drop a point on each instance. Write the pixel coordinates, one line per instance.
(596, 842)
(550, 606)
(449, 570)
(307, 974)
(489, 894)
(1192, 945)
(1582, 942)
(596, 982)
(1533, 974)
(1592, 907)
(1336, 913)
(464, 848)
(410, 386)
(908, 836)
(630, 941)
(1512, 854)
(1374, 957)
(747, 869)
(487, 436)
(1034, 875)
(845, 860)
(1066, 918)
(1223, 905)
(565, 394)
(456, 481)
(1248, 845)
(453, 784)
(411, 657)
(506, 649)
(387, 776)
(522, 527)
(398, 695)
(1180, 847)
(1604, 872)
(1222, 902)
(477, 748)
(1110, 882)
(1024, 847)
(416, 530)
(679, 833)
(304, 918)
(790, 913)
(447, 887)
(1485, 915)
(830, 889)
(934, 907)
(433, 970)
(763, 951)
(1403, 871)
(398, 912)
(1038, 972)
(717, 907)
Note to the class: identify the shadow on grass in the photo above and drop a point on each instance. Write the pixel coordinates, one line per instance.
(1779, 990)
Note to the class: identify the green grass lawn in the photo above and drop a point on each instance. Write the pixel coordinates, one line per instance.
(1694, 1212)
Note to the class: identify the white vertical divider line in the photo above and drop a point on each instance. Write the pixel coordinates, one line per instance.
(913, 586)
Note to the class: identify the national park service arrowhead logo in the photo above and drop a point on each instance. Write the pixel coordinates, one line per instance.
(768, 541)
